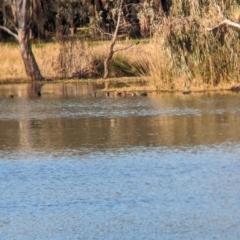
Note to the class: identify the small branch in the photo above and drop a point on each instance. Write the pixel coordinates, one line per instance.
(114, 39)
(9, 32)
(8, 20)
(103, 32)
(11, 23)
(225, 22)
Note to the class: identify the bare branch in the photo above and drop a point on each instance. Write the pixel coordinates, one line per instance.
(114, 38)
(102, 32)
(9, 22)
(9, 32)
(225, 22)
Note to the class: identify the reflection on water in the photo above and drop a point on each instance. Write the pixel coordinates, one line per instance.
(53, 124)
(56, 89)
(161, 167)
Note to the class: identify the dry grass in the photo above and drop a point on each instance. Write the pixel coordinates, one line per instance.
(47, 58)
(64, 60)
(11, 65)
(151, 60)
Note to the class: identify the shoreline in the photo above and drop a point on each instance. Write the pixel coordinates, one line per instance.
(129, 84)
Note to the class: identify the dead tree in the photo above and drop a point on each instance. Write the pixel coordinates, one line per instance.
(113, 41)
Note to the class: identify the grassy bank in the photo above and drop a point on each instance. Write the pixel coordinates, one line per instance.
(182, 55)
(78, 61)
(70, 59)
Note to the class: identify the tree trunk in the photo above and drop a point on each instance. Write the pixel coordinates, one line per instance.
(106, 61)
(23, 18)
(21, 13)
(114, 39)
(31, 67)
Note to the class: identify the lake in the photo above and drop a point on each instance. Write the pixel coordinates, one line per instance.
(74, 166)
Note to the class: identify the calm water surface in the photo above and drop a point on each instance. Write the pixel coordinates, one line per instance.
(164, 166)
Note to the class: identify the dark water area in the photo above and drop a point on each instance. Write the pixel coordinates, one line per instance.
(73, 166)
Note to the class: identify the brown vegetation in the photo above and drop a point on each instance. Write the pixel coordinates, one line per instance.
(192, 49)
(72, 59)
(79, 60)
(182, 55)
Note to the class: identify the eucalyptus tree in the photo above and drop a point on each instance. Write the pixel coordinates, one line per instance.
(17, 24)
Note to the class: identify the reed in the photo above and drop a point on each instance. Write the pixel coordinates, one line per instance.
(191, 53)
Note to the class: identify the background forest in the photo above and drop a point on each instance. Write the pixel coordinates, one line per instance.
(172, 44)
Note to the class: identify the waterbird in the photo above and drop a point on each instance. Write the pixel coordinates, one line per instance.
(186, 92)
(130, 94)
(94, 94)
(124, 94)
(143, 94)
(117, 94)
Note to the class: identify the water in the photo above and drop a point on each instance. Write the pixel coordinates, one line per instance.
(164, 166)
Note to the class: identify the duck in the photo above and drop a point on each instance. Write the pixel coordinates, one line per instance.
(131, 94)
(186, 92)
(117, 94)
(143, 94)
(124, 94)
(94, 94)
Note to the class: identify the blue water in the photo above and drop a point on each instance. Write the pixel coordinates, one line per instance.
(142, 176)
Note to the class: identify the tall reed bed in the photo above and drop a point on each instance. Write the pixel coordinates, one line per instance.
(187, 53)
